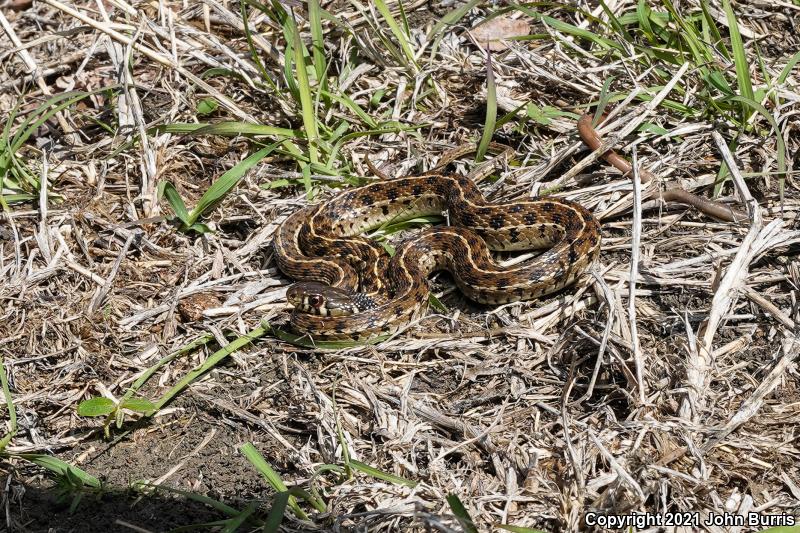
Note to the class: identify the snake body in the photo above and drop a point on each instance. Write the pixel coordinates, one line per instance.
(350, 289)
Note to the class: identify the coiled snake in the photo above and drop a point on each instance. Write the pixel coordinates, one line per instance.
(350, 289)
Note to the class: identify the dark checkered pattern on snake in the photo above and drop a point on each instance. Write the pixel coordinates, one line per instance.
(350, 289)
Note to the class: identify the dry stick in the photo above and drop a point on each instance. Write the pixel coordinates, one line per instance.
(155, 56)
(43, 238)
(769, 307)
(609, 299)
(572, 454)
(700, 359)
(624, 477)
(635, 243)
(147, 187)
(751, 406)
(737, 270)
(236, 22)
(64, 64)
(33, 70)
(101, 292)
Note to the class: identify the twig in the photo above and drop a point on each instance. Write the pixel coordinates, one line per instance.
(635, 244)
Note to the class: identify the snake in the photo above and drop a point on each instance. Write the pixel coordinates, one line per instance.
(348, 287)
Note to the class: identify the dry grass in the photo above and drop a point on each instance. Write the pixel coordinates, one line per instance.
(671, 386)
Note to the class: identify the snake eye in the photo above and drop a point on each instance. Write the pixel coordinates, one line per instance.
(315, 300)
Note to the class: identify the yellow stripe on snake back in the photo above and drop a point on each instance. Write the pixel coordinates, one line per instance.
(359, 292)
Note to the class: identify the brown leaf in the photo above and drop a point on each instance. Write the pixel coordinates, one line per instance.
(493, 34)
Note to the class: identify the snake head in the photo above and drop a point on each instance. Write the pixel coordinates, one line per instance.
(320, 299)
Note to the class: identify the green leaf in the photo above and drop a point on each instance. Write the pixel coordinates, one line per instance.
(304, 89)
(199, 227)
(461, 514)
(175, 202)
(59, 467)
(377, 97)
(398, 33)
(739, 55)
(271, 476)
(536, 114)
(98, 406)
(379, 474)
(141, 405)
(436, 304)
(207, 106)
(781, 144)
(275, 516)
(491, 110)
(227, 181)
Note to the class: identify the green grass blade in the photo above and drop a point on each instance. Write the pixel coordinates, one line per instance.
(614, 21)
(12, 412)
(288, 67)
(739, 55)
(710, 29)
(398, 33)
(212, 361)
(305, 341)
(12, 142)
(491, 110)
(272, 477)
(228, 129)
(603, 99)
(233, 524)
(724, 171)
(379, 474)
(177, 204)
(575, 31)
(254, 55)
(643, 13)
(461, 514)
(380, 131)
(348, 102)
(788, 68)
(49, 108)
(317, 42)
(452, 18)
(220, 188)
(147, 374)
(304, 90)
(275, 516)
(217, 505)
(61, 468)
(781, 144)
